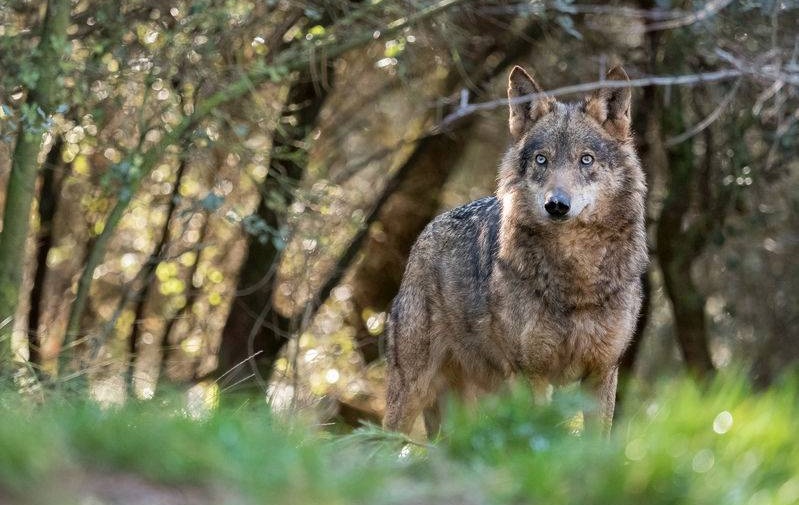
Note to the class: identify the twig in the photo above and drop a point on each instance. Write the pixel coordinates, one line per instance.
(688, 79)
(228, 388)
(619, 11)
(771, 71)
(705, 12)
(664, 19)
(253, 355)
(256, 327)
(627, 12)
(713, 116)
(766, 95)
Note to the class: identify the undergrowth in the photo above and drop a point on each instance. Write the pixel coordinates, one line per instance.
(680, 443)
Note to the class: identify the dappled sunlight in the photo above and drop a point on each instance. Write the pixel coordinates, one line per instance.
(109, 391)
(201, 400)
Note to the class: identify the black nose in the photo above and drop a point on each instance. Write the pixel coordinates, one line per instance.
(557, 203)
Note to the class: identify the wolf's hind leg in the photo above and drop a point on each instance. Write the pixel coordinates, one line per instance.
(432, 418)
(403, 404)
(542, 390)
(602, 386)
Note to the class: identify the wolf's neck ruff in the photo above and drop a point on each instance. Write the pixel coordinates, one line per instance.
(581, 264)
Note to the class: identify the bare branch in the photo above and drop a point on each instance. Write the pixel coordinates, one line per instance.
(675, 80)
(713, 116)
(705, 12)
(764, 71)
(240, 363)
(663, 19)
(614, 10)
(629, 12)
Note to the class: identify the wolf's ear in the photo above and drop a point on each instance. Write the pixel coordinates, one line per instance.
(611, 106)
(522, 115)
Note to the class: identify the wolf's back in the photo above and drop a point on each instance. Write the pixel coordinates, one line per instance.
(450, 266)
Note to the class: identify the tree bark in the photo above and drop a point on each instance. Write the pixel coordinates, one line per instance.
(25, 167)
(254, 331)
(148, 276)
(48, 202)
(283, 65)
(377, 276)
(676, 249)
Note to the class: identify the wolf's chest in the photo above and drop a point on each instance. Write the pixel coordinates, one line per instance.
(562, 345)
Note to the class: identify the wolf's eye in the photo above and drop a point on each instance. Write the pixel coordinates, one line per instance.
(586, 159)
(540, 159)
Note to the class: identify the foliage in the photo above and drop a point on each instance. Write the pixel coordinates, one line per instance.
(681, 443)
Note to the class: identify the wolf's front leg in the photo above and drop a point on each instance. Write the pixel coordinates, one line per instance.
(602, 387)
(542, 389)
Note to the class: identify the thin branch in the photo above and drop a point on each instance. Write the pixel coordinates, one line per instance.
(710, 119)
(619, 11)
(627, 12)
(708, 10)
(683, 80)
(237, 365)
(766, 95)
(256, 328)
(663, 19)
(761, 69)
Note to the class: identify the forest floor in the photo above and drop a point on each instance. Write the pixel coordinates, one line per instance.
(675, 443)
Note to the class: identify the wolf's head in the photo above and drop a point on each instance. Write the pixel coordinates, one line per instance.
(570, 162)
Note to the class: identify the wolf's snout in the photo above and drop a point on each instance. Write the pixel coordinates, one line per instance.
(557, 203)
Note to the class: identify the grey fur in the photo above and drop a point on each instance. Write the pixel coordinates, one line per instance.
(499, 288)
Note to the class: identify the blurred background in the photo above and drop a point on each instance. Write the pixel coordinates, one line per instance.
(221, 195)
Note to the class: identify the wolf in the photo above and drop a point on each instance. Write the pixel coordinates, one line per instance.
(540, 281)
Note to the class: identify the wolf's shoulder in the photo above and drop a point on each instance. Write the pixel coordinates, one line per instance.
(482, 209)
(465, 223)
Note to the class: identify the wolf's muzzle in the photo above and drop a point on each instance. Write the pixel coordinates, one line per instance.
(557, 203)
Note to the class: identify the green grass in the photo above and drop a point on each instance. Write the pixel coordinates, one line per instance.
(681, 443)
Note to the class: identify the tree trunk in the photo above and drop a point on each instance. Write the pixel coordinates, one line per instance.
(283, 65)
(148, 276)
(650, 151)
(48, 199)
(170, 351)
(254, 331)
(24, 168)
(377, 276)
(676, 250)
